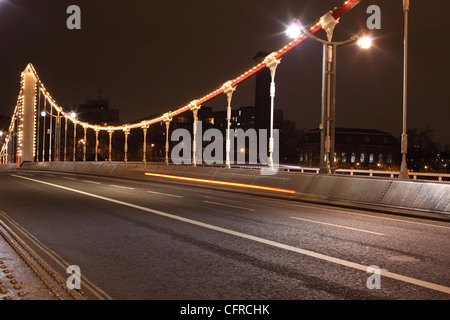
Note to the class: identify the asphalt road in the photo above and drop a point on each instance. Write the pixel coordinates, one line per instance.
(152, 240)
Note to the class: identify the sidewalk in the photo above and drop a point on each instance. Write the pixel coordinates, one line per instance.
(24, 276)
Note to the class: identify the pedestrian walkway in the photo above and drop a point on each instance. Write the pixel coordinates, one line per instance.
(25, 276)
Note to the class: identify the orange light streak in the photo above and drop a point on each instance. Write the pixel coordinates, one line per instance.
(225, 183)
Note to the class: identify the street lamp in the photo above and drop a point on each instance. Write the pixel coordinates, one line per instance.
(365, 42)
(57, 135)
(328, 109)
(404, 144)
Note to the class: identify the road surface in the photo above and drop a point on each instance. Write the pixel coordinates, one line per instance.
(152, 240)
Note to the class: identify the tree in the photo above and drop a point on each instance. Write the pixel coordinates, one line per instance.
(289, 142)
(422, 149)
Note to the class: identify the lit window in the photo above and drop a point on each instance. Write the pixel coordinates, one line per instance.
(362, 158)
(353, 158)
(371, 158)
(344, 157)
(389, 158)
(380, 158)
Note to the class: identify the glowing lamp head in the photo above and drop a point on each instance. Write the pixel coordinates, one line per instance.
(365, 42)
(43, 114)
(294, 31)
(73, 115)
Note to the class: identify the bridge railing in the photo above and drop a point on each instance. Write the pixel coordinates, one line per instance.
(425, 176)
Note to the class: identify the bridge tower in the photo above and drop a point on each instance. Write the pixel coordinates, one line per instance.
(26, 130)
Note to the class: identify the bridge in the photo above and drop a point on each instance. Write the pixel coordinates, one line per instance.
(199, 209)
(31, 145)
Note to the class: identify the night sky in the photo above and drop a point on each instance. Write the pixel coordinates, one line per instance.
(155, 56)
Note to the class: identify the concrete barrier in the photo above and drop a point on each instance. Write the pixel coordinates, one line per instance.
(8, 167)
(433, 197)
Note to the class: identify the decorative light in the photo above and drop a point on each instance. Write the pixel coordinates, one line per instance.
(294, 31)
(365, 42)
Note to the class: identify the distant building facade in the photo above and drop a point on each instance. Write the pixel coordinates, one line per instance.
(354, 149)
(98, 112)
(241, 118)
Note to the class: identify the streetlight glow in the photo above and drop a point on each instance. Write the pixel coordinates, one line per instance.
(294, 31)
(365, 42)
(43, 114)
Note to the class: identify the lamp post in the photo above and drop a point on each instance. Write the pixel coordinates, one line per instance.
(57, 135)
(167, 121)
(403, 167)
(73, 116)
(228, 90)
(328, 107)
(272, 63)
(2, 155)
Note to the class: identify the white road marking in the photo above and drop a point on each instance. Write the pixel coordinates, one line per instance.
(310, 206)
(228, 205)
(165, 194)
(349, 264)
(339, 226)
(368, 215)
(122, 187)
(318, 206)
(93, 182)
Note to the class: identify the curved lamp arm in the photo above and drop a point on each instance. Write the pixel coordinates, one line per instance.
(310, 35)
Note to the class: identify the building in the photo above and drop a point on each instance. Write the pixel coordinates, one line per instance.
(98, 112)
(354, 149)
(241, 118)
